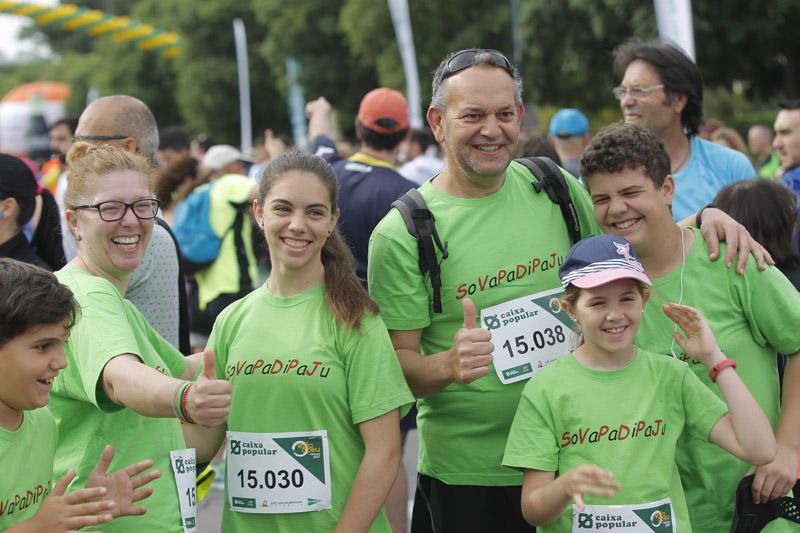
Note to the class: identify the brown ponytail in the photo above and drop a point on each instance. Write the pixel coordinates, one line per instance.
(346, 297)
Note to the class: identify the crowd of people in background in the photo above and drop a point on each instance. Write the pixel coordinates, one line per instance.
(609, 343)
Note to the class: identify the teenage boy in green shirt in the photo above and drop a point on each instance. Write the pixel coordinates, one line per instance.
(753, 315)
(35, 316)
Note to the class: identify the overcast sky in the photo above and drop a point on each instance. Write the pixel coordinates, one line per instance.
(10, 47)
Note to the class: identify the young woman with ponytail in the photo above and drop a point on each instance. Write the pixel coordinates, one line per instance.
(313, 431)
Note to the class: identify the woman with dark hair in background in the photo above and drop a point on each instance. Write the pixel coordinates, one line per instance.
(20, 198)
(769, 212)
(174, 183)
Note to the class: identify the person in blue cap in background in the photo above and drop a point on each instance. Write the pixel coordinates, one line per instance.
(569, 134)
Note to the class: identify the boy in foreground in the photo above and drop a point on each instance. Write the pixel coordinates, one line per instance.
(36, 313)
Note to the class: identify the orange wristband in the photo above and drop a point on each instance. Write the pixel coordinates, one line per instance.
(719, 367)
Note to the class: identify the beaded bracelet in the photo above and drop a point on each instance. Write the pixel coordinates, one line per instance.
(183, 412)
(176, 399)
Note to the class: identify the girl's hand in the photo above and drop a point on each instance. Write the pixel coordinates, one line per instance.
(589, 480)
(699, 343)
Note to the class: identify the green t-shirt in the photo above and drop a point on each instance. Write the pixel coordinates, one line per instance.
(108, 326)
(295, 368)
(503, 246)
(627, 421)
(752, 316)
(27, 456)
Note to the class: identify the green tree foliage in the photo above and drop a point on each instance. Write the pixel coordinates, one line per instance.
(310, 32)
(347, 47)
(204, 78)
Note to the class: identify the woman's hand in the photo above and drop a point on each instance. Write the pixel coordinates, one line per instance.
(209, 398)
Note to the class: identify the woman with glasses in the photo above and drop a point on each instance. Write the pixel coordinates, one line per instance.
(124, 384)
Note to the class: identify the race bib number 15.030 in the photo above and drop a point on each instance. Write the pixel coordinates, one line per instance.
(273, 473)
(528, 334)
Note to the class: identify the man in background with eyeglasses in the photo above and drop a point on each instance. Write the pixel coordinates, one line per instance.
(156, 286)
(505, 242)
(662, 90)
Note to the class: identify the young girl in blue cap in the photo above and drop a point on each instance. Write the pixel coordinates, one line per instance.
(599, 426)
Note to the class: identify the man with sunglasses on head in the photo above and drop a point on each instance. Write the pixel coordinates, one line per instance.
(495, 227)
(662, 90)
(156, 286)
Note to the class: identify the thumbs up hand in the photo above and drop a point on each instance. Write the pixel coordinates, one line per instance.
(209, 398)
(472, 349)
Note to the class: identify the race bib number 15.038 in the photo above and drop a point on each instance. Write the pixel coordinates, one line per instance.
(528, 334)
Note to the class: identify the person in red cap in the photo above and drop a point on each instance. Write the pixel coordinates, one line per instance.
(368, 180)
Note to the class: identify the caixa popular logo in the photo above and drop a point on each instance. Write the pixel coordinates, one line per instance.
(236, 447)
(250, 447)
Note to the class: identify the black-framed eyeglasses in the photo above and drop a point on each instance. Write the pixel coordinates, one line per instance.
(466, 58)
(113, 210)
(89, 138)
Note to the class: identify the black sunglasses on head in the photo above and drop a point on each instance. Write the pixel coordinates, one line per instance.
(466, 58)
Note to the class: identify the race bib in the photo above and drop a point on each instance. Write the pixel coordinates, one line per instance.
(640, 518)
(528, 334)
(183, 466)
(276, 473)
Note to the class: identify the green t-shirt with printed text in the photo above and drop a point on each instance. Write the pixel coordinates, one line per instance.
(108, 326)
(627, 421)
(295, 368)
(27, 456)
(503, 246)
(752, 316)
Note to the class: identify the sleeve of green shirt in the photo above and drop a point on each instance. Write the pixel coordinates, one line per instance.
(532, 441)
(394, 279)
(375, 382)
(101, 333)
(771, 306)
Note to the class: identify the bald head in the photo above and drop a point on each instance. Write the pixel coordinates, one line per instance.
(121, 116)
(759, 140)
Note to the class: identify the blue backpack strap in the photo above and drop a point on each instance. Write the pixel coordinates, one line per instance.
(420, 223)
(548, 177)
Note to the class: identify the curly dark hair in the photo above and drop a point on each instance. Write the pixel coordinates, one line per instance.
(678, 73)
(32, 297)
(620, 146)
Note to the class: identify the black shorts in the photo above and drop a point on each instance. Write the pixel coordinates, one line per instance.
(443, 508)
(409, 422)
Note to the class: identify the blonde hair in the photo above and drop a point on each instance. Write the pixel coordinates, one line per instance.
(87, 162)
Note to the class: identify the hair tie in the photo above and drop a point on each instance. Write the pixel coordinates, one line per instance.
(39, 189)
